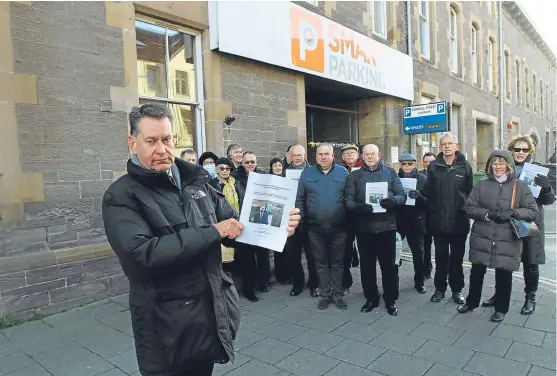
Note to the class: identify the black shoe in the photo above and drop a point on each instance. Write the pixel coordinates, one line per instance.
(427, 276)
(529, 304)
(420, 289)
(345, 291)
(295, 292)
(314, 293)
(265, 288)
(340, 303)
(489, 302)
(369, 306)
(392, 310)
(458, 298)
(323, 303)
(437, 296)
(498, 317)
(251, 296)
(463, 308)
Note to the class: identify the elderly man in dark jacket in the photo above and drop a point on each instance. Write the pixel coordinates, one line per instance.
(166, 225)
(375, 232)
(449, 182)
(411, 219)
(321, 199)
(493, 244)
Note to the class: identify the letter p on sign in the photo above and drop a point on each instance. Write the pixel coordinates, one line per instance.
(308, 46)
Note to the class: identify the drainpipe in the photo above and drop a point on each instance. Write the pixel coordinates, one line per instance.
(501, 78)
(409, 41)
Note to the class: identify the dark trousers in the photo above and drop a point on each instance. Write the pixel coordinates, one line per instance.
(449, 254)
(202, 370)
(282, 272)
(378, 247)
(293, 251)
(428, 266)
(416, 244)
(531, 277)
(328, 250)
(254, 266)
(503, 288)
(349, 252)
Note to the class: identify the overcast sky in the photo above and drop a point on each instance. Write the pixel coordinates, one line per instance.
(543, 14)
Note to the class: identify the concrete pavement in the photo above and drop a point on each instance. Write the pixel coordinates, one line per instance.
(283, 335)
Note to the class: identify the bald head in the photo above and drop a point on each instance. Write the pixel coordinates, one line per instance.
(297, 155)
(371, 155)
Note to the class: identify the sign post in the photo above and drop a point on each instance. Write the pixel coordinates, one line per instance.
(426, 118)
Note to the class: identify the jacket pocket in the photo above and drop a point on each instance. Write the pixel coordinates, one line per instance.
(184, 329)
(232, 304)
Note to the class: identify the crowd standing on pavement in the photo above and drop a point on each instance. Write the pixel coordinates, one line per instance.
(168, 222)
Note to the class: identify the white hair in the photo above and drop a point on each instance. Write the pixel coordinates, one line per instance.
(326, 144)
(447, 135)
(298, 147)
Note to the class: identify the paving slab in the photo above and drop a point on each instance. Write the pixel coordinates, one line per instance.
(357, 331)
(549, 341)
(396, 364)
(515, 333)
(489, 365)
(283, 331)
(356, 353)
(344, 369)
(14, 362)
(538, 371)
(307, 363)
(126, 361)
(34, 370)
(537, 356)
(270, 350)
(316, 341)
(437, 333)
(398, 342)
(256, 368)
(441, 353)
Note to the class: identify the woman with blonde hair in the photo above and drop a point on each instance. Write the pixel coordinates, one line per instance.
(522, 148)
(493, 244)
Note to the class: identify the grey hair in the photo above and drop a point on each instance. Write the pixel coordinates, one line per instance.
(326, 144)
(231, 148)
(496, 158)
(446, 135)
(152, 110)
(297, 146)
(188, 151)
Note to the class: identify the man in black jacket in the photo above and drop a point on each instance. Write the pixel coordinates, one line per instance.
(410, 219)
(449, 182)
(166, 225)
(375, 232)
(428, 238)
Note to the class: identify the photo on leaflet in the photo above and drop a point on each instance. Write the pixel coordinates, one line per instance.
(406, 190)
(266, 212)
(375, 198)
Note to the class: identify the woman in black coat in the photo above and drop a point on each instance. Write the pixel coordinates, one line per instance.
(533, 254)
(282, 273)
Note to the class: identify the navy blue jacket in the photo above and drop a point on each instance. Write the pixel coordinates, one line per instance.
(321, 198)
(356, 202)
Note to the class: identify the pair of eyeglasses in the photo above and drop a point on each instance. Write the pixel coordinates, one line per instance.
(224, 168)
(249, 162)
(524, 150)
(407, 163)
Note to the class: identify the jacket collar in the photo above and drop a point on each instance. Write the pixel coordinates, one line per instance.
(460, 159)
(182, 170)
(303, 166)
(413, 173)
(378, 166)
(359, 164)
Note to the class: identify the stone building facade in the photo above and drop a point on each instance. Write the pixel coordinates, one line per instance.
(71, 71)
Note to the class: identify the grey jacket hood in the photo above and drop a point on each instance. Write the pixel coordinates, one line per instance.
(503, 154)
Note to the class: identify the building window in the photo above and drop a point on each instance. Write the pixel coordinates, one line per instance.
(518, 83)
(379, 16)
(474, 64)
(507, 75)
(424, 28)
(491, 56)
(534, 101)
(455, 121)
(547, 100)
(168, 73)
(541, 98)
(314, 3)
(527, 82)
(454, 40)
(494, 9)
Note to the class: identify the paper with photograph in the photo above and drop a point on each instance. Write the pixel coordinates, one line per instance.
(293, 174)
(375, 192)
(264, 213)
(529, 172)
(409, 184)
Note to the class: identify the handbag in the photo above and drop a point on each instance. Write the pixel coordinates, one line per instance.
(522, 229)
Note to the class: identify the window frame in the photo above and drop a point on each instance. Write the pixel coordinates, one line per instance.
(534, 103)
(453, 42)
(197, 106)
(518, 82)
(424, 35)
(474, 54)
(383, 33)
(527, 83)
(507, 77)
(490, 72)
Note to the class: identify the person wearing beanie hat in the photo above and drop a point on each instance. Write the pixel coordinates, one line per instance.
(411, 219)
(207, 158)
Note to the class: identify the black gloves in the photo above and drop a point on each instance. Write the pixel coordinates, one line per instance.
(542, 181)
(501, 216)
(414, 194)
(387, 203)
(364, 209)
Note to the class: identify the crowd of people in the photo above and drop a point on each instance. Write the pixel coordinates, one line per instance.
(335, 213)
(168, 220)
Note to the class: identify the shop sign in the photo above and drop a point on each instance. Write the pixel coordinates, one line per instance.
(285, 34)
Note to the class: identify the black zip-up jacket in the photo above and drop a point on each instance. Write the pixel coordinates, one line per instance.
(411, 220)
(184, 308)
(356, 203)
(447, 190)
(241, 176)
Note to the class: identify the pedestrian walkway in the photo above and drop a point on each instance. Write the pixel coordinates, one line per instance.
(282, 335)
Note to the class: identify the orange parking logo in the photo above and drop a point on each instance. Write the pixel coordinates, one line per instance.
(308, 45)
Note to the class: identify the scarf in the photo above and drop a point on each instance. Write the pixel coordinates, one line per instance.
(229, 191)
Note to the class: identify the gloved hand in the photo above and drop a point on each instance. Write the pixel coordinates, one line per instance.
(542, 181)
(501, 216)
(365, 209)
(414, 194)
(387, 203)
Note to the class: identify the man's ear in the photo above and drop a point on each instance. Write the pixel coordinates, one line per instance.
(132, 144)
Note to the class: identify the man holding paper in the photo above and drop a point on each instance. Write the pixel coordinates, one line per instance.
(410, 218)
(375, 230)
(321, 201)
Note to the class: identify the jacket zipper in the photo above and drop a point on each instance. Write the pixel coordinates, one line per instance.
(494, 228)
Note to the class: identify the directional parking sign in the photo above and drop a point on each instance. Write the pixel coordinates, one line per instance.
(426, 118)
